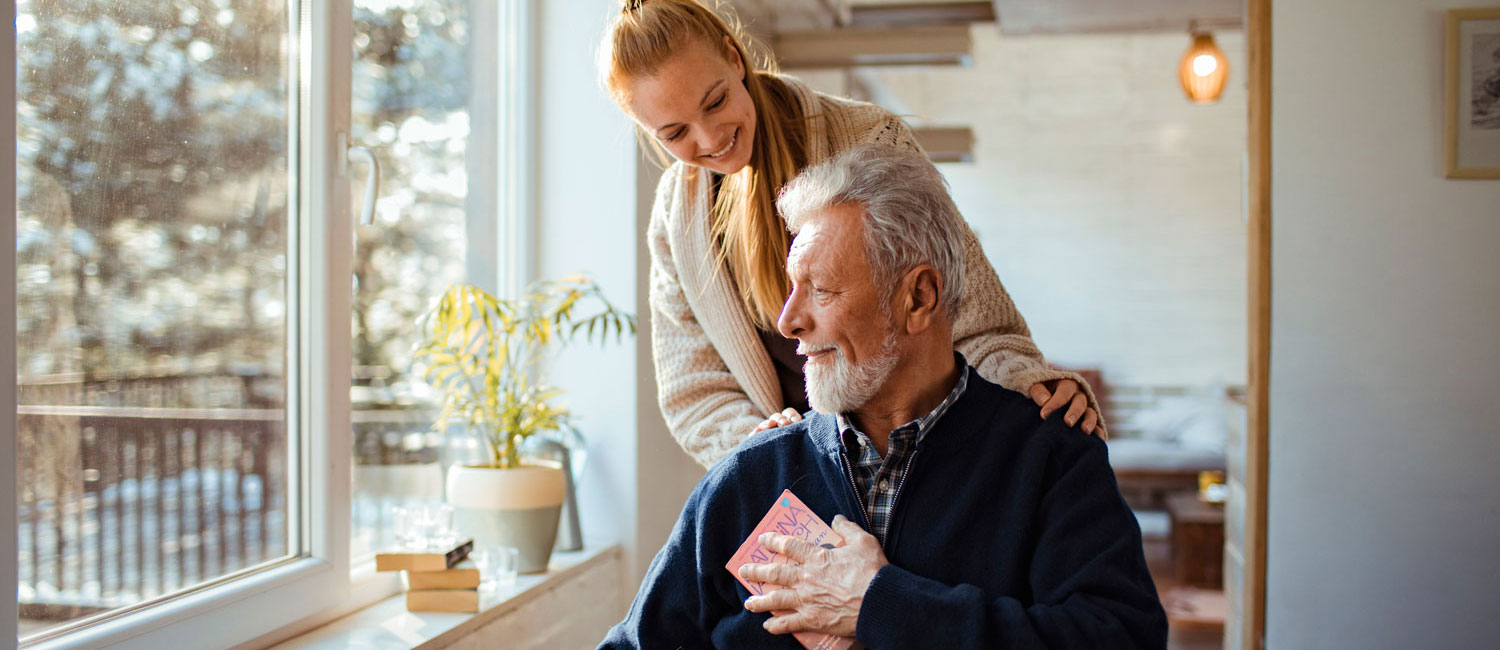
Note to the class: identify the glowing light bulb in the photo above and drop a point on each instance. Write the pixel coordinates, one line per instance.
(1202, 69)
(1204, 65)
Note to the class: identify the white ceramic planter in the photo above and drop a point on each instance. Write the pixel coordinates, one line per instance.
(509, 507)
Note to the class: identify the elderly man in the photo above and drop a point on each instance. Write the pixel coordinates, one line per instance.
(968, 522)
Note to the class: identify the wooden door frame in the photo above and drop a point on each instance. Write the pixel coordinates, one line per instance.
(1257, 444)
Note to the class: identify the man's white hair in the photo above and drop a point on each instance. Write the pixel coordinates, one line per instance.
(909, 217)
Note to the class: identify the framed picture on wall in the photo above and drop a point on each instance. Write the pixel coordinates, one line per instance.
(1472, 122)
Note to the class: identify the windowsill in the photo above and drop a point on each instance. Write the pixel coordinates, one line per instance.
(387, 624)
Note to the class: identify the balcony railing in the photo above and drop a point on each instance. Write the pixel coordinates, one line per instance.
(125, 494)
(119, 504)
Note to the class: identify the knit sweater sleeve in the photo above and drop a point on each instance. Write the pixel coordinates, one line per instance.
(989, 331)
(993, 337)
(706, 409)
(1089, 586)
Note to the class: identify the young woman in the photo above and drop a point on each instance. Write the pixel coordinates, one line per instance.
(718, 247)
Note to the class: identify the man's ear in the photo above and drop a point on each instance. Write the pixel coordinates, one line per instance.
(922, 290)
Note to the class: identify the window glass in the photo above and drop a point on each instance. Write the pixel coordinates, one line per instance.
(411, 89)
(152, 299)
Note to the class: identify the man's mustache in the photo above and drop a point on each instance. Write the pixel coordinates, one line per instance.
(805, 349)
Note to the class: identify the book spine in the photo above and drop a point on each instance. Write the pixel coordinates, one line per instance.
(442, 600)
(449, 579)
(458, 554)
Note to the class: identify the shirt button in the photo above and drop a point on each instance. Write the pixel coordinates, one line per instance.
(885, 485)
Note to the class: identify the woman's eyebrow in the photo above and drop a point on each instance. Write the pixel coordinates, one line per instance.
(701, 102)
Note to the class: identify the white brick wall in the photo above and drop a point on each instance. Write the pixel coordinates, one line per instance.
(1108, 203)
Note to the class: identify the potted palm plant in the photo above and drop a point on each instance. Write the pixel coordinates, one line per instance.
(484, 355)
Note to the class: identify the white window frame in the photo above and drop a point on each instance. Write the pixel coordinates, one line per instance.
(516, 175)
(320, 583)
(502, 148)
(8, 558)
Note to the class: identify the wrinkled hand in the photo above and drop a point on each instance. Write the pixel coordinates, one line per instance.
(1055, 394)
(785, 417)
(825, 593)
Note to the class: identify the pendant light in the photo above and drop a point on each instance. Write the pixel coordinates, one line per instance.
(1203, 69)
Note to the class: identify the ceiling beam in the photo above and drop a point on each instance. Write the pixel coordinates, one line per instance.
(844, 48)
(921, 13)
(947, 143)
(1021, 17)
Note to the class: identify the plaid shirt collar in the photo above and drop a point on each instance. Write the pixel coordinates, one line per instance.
(879, 479)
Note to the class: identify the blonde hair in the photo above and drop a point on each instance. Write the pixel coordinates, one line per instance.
(753, 240)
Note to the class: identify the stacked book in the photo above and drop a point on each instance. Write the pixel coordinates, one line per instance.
(437, 579)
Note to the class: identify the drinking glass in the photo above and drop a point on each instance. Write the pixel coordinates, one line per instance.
(423, 526)
(497, 566)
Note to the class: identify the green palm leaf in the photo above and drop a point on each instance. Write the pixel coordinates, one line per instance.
(484, 355)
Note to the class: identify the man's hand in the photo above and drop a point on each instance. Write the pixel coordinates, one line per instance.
(825, 593)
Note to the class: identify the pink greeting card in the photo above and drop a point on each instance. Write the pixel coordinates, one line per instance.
(788, 516)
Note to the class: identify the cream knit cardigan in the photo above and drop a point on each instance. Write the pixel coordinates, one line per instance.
(715, 381)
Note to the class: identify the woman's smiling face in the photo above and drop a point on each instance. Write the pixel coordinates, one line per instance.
(696, 106)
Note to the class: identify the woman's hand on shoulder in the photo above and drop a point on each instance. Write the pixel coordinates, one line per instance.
(784, 418)
(1058, 393)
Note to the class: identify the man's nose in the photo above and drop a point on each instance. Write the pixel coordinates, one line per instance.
(791, 323)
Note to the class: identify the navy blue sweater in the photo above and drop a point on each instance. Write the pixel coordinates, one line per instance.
(1008, 532)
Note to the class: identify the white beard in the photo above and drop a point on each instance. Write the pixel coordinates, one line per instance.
(837, 386)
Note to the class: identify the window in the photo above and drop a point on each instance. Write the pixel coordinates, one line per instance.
(172, 327)
(411, 97)
(439, 109)
(188, 341)
(154, 297)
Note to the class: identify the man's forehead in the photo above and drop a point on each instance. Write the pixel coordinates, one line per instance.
(810, 237)
(824, 233)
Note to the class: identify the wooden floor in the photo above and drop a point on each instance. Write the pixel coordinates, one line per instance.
(1181, 635)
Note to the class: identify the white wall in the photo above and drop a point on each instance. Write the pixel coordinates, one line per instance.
(1108, 203)
(591, 199)
(1384, 499)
